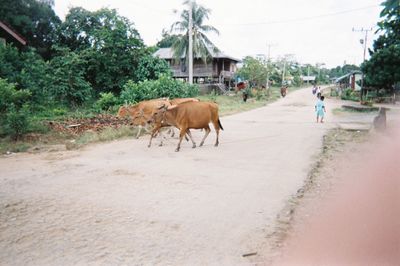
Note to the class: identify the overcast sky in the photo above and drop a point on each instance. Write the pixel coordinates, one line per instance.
(314, 31)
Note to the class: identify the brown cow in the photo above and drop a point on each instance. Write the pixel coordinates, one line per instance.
(196, 115)
(140, 112)
(171, 131)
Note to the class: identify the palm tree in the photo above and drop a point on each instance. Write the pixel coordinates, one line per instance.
(202, 46)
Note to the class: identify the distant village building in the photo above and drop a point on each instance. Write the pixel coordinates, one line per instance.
(221, 68)
(8, 35)
(308, 79)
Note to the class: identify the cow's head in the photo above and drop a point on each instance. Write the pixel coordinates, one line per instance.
(158, 115)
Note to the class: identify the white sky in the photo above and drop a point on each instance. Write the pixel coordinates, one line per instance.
(312, 30)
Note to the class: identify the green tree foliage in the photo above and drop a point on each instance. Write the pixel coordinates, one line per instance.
(27, 70)
(106, 101)
(13, 109)
(165, 86)
(253, 70)
(383, 68)
(151, 67)
(67, 84)
(109, 43)
(342, 70)
(168, 39)
(202, 45)
(35, 20)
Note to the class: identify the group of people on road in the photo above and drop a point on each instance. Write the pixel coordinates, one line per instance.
(320, 109)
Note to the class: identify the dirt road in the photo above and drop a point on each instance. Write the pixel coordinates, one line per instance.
(123, 203)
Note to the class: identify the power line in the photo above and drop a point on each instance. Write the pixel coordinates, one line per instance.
(304, 18)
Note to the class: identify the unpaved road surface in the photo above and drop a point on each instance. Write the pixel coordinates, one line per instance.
(122, 203)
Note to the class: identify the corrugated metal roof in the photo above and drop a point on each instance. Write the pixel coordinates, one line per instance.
(347, 75)
(308, 78)
(167, 53)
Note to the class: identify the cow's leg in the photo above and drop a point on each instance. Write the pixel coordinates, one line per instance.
(155, 130)
(139, 131)
(191, 138)
(207, 129)
(181, 135)
(216, 126)
(172, 132)
(161, 137)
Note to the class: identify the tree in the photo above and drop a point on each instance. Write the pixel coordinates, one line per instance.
(67, 84)
(253, 70)
(383, 68)
(202, 45)
(35, 20)
(27, 70)
(151, 67)
(167, 39)
(109, 43)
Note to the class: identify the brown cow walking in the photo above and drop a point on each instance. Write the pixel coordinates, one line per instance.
(195, 115)
(140, 112)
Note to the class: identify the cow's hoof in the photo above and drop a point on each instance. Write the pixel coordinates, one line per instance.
(201, 144)
(176, 150)
(194, 146)
(148, 146)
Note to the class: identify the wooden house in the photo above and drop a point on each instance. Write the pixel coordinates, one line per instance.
(220, 68)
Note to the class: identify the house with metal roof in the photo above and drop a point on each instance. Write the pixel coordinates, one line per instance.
(220, 68)
(351, 80)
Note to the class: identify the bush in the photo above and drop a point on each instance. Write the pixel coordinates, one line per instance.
(106, 101)
(165, 86)
(17, 123)
(9, 96)
(349, 94)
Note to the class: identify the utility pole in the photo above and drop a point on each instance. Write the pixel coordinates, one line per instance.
(365, 50)
(190, 43)
(268, 59)
(283, 72)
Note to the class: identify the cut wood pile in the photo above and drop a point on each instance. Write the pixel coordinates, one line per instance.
(77, 126)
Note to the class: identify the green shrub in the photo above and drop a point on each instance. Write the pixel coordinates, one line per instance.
(17, 123)
(349, 94)
(106, 101)
(10, 96)
(165, 86)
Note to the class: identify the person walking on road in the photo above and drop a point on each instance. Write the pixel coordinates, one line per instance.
(320, 109)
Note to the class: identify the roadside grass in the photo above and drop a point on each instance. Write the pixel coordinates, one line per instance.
(233, 103)
(40, 134)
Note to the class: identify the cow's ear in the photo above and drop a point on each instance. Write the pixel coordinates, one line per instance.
(172, 107)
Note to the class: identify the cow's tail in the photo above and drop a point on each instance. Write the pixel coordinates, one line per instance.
(219, 123)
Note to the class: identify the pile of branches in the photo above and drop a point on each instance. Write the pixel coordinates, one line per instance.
(77, 126)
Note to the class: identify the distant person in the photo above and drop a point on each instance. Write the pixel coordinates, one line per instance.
(320, 109)
(314, 90)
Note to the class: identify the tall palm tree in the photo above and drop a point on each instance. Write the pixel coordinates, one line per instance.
(202, 46)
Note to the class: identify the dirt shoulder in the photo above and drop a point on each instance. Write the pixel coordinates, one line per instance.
(347, 212)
